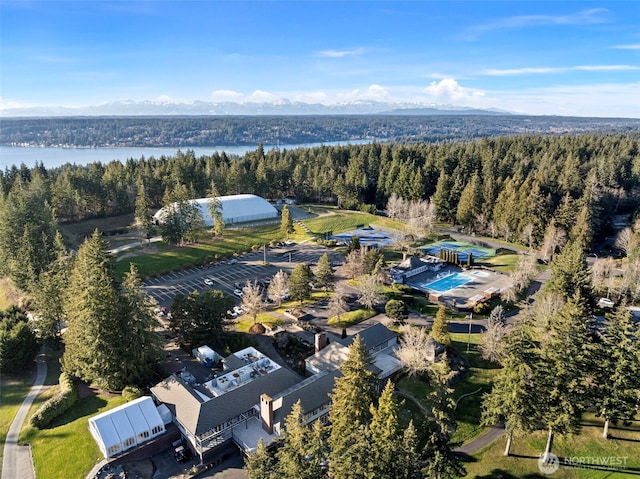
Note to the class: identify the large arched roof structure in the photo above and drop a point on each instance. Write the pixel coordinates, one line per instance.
(235, 209)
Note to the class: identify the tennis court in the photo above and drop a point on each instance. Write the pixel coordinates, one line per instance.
(463, 249)
(368, 236)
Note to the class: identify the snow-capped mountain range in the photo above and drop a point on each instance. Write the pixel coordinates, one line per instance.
(279, 107)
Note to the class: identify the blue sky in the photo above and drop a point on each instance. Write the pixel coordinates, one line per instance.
(559, 57)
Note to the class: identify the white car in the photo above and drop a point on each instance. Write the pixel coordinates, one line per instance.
(606, 303)
(237, 292)
(208, 282)
(233, 261)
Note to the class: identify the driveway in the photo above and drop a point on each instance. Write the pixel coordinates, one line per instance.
(17, 462)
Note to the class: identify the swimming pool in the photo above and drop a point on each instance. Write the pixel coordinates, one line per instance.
(447, 283)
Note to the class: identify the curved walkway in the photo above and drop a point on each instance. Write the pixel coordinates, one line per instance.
(17, 462)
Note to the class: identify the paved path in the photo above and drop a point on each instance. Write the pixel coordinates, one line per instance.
(17, 462)
(483, 440)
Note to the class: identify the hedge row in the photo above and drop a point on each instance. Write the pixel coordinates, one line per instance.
(67, 396)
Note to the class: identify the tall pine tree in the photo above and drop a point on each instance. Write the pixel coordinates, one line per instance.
(350, 414)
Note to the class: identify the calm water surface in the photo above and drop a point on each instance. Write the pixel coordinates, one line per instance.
(52, 157)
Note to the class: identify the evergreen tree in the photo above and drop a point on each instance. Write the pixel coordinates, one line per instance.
(410, 460)
(561, 382)
(215, 210)
(18, 343)
(616, 370)
(299, 287)
(95, 339)
(142, 215)
(27, 231)
(49, 295)
(441, 461)
(509, 399)
(570, 274)
(440, 328)
(143, 343)
(324, 273)
(261, 464)
(350, 414)
(286, 222)
(199, 317)
(386, 450)
(299, 455)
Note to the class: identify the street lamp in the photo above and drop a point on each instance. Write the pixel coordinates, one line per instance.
(470, 317)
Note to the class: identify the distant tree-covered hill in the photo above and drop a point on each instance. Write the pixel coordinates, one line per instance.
(192, 131)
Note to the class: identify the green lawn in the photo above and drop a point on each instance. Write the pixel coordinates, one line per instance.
(56, 449)
(343, 220)
(490, 462)
(172, 258)
(351, 318)
(13, 390)
(479, 375)
(245, 322)
(505, 263)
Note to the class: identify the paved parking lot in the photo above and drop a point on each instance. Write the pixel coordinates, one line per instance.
(223, 275)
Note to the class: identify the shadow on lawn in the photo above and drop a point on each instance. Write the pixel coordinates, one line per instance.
(499, 473)
(87, 406)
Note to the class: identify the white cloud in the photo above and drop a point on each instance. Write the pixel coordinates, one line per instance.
(226, 95)
(585, 17)
(449, 90)
(606, 68)
(260, 96)
(546, 70)
(166, 99)
(519, 71)
(340, 53)
(634, 46)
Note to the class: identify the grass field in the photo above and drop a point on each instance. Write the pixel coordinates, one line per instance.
(479, 375)
(13, 390)
(351, 318)
(245, 322)
(525, 451)
(165, 259)
(56, 449)
(342, 220)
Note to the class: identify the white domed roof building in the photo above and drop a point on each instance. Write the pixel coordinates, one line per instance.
(235, 209)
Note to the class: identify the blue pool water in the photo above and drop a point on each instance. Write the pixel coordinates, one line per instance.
(447, 283)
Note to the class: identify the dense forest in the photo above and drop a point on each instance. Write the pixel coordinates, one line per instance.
(510, 187)
(181, 132)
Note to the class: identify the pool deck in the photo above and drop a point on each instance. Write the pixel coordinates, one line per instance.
(460, 296)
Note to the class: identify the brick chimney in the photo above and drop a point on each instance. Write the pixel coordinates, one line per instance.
(321, 341)
(266, 412)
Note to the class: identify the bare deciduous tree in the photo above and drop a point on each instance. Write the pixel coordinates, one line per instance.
(369, 287)
(337, 304)
(554, 239)
(252, 301)
(278, 288)
(491, 341)
(415, 350)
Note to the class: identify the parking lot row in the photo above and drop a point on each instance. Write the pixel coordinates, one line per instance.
(225, 276)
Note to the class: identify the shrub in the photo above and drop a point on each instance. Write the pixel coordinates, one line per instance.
(131, 392)
(66, 397)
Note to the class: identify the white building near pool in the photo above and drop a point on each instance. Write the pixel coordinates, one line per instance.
(235, 209)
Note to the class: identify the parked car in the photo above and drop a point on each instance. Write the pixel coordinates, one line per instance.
(233, 261)
(208, 282)
(237, 292)
(606, 303)
(181, 454)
